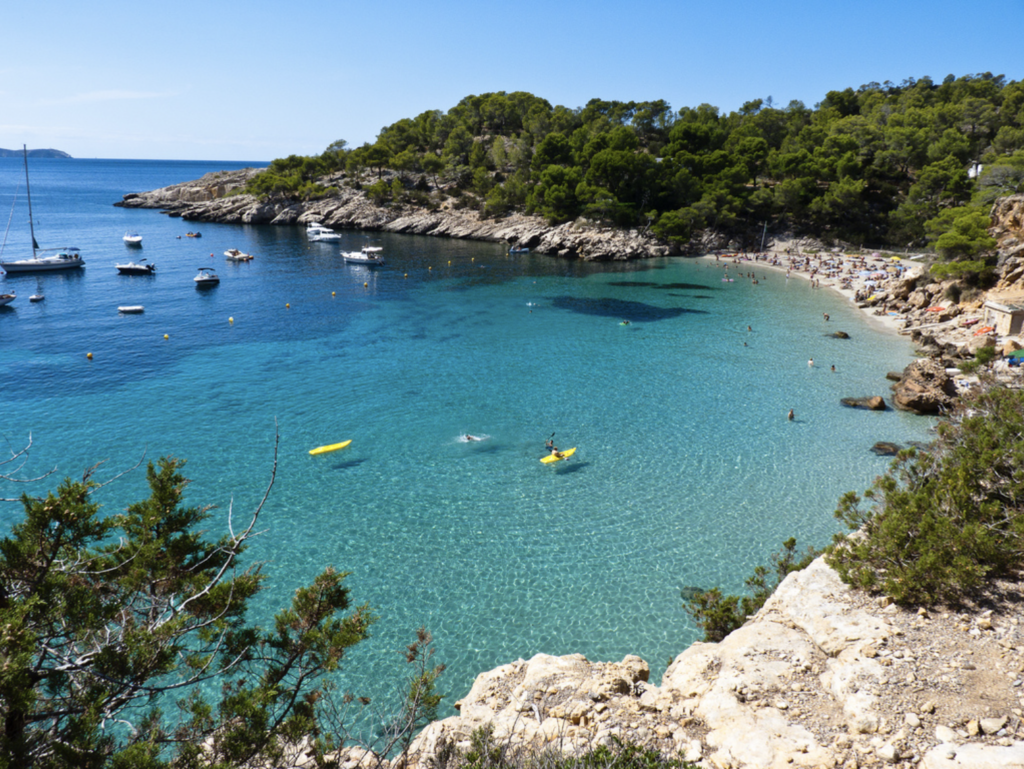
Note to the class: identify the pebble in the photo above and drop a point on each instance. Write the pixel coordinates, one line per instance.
(992, 725)
(888, 753)
(945, 734)
(911, 720)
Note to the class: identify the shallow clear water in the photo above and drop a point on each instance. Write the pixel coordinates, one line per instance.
(687, 470)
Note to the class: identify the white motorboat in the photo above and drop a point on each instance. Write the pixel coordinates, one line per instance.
(136, 268)
(61, 259)
(370, 256)
(316, 232)
(7, 298)
(36, 298)
(131, 309)
(132, 239)
(234, 255)
(206, 278)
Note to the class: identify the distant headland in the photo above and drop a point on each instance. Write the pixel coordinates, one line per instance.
(34, 153)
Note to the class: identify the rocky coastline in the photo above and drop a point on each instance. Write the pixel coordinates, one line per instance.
(823, 675)
(216, 198)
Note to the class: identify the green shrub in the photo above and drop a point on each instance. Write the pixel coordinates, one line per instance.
(945, 520)
(718, 614)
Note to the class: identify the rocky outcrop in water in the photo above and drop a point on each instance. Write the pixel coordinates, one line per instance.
(925, 388)
(870, 402)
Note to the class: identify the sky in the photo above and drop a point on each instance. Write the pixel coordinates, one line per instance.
(254, 80)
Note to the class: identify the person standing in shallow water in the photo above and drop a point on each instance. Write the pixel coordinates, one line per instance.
(810, 363)
(791, 416)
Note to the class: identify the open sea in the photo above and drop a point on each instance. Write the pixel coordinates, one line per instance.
(687, 472)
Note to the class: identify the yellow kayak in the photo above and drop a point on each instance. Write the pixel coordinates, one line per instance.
(328, 449)
(559, 456)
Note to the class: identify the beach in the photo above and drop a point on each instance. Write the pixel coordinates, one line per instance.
(857, 277)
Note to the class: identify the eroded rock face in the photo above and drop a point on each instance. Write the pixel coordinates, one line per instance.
(822, 676)
(925, 388)
(1008, 228)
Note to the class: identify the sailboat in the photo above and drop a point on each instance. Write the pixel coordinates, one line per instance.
(42, 260)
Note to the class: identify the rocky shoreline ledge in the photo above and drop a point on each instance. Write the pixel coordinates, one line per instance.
(215, 198)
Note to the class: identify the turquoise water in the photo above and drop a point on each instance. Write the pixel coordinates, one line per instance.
(687, 470)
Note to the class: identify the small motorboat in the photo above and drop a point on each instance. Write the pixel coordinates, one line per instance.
(317, 232)
(7, 298)
(206, 278)
(370, 256)
(193, 235)
(131, 309)
(136, 268)
(36, 298)
(132, 239)
(234, 255)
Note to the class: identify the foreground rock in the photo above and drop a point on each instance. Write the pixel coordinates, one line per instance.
(822, 676)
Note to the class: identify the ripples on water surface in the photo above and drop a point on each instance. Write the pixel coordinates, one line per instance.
(687, 471)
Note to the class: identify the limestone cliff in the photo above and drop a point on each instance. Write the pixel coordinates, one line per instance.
(1008, 225)
(822, 676)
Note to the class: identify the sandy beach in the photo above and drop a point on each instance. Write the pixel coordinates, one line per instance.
(856, 277)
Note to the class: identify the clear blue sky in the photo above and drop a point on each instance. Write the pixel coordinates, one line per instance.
(255, 80)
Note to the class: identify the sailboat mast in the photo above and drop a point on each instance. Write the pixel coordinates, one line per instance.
(28, 194)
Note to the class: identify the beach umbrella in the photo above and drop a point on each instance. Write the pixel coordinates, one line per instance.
(896, 259)
(875, 255)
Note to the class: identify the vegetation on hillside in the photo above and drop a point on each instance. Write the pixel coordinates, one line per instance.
(941, 522)
(883, 164)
